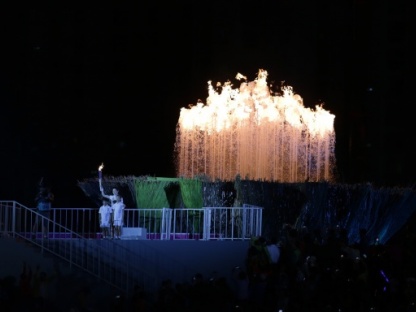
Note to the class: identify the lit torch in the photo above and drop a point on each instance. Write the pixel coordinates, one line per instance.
(100, 175)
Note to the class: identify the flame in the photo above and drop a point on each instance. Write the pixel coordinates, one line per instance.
(100, 168)
(240, 76)
(252, 132)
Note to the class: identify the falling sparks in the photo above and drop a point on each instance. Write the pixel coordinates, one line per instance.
(252, 133)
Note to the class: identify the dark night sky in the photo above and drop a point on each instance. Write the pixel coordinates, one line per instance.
(83, 85)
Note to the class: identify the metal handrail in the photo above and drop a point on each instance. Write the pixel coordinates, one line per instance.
(73, 232)
(106, 260)
(207, 223)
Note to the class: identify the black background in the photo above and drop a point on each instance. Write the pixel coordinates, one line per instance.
(85, 84)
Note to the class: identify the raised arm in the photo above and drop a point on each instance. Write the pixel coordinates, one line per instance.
(105, 195)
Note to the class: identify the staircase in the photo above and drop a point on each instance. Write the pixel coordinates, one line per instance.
(107, 260)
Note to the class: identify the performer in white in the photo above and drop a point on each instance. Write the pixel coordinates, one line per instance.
(113, 196)
(113, 200)
(118, 214)
(105, 213)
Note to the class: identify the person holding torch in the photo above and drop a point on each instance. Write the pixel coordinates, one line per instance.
(114, 198)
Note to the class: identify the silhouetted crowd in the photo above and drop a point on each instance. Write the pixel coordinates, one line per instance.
(298, 271)
(304, 271)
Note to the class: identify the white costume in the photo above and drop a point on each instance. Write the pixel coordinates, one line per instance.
(118, 211)
(117, 207)
(113, 197)
(105, 213)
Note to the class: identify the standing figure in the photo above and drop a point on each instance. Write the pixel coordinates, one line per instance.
(112, 197)
(43, 201)
(118, 212)
(105, 214)
(113, 200)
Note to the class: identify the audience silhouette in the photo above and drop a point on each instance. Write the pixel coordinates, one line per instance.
(314, 272)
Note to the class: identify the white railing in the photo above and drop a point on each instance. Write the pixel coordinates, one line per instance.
(71, 233)
(208, 223)
(107, 260)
